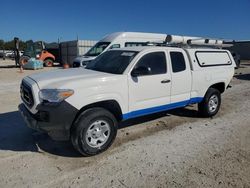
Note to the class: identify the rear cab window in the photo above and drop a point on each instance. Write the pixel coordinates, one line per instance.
(177, 61)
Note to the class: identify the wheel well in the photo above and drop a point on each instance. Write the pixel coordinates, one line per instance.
(219, 86)
(49, 58)
(110, 105)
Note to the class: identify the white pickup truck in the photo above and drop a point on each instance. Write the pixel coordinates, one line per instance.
(85, 105)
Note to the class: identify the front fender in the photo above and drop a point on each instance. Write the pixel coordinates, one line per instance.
(45, 55)
(87, 100)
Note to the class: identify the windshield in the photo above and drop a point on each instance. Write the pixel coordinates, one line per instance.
(114, 62)
(33, 48)
(97, 49)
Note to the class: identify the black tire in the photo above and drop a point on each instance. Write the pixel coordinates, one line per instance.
(209, 107)
(48, 62)
(80, 137)
(23, 60)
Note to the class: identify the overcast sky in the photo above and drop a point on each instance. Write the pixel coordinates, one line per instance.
(49, 20)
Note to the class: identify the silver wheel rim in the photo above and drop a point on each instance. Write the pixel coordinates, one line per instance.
(98, 133)
(213, 103)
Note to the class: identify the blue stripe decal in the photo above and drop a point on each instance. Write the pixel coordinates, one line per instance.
(195, 100)
(152, 110)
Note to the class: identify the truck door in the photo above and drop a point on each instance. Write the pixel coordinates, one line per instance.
(149, 84)
(181, 77)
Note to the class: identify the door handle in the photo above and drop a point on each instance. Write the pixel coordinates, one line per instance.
(165, 81)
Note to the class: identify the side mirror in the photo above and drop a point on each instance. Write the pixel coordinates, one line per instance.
(140, 71)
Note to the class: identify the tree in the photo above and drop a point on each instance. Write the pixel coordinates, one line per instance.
(1, 44)
(10, 45)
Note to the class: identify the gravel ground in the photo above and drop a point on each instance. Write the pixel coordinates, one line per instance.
(174, 149)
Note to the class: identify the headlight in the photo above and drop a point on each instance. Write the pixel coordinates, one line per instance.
(55, 95)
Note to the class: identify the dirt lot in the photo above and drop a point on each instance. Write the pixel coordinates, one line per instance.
(174, 149)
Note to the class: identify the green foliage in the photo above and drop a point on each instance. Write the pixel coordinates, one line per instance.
(1, 44)
(10, 45)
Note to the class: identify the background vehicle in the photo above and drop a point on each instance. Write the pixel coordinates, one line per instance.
(2, 55)
(122, 84)
(37, 50)
(236, 58)
(9, 54)
(12, 54)
(117, 40)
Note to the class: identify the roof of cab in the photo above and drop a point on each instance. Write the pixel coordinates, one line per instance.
(112, 36)
(141, 48)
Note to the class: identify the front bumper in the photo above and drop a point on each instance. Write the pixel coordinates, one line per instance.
(76, 64)
(30, 121)
(54, 120)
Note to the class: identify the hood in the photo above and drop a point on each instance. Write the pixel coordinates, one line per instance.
(62, 77)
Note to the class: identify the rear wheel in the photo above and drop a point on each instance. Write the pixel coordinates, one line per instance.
(211, 103)
(23, 60)
(48, 62)
(94, 131)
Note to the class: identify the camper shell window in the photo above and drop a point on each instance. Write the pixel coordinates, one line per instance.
(212, 58)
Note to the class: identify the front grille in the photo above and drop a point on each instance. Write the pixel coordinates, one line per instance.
(26, 94)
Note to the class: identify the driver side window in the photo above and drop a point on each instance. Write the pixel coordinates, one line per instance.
(154, 62)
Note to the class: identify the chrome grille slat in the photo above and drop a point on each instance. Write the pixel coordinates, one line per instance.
(26, 94)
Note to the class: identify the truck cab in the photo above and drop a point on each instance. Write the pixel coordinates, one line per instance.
(86, 105)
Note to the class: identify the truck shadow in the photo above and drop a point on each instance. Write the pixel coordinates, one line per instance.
(16, 136)
(182, 112)
(142, 119)
(185, 112)
(243, 76)
(13, 135)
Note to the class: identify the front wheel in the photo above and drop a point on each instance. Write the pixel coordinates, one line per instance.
(94, 131)
(211, 103)
(48, 62)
